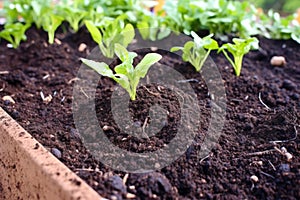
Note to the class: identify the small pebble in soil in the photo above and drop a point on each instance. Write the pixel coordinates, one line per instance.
(288, 156)
(203, 181)
(131, 187)
(137, 124)
(6, 103)
(116, 182)
(107, 128)
(8, 100)
(75, 134)
(289, 85)
(153, 48)
(15, 114)
(113, 197)
(157, 165)
(9, 46)
(254, 179)
(130, 196)
(57, 153)
(295, 96)
(278, 61)
(284, 167)
(82, 47)
(57, 41)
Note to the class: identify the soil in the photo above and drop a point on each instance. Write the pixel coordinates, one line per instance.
(250, 144)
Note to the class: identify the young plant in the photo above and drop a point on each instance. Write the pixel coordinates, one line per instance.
(17, 10)
(126, 75)
(238, 50)
(74, 16)
(40, 8)
(194, 51)
(150, 27)
(108, 34)
(51, 23)
(14, 33)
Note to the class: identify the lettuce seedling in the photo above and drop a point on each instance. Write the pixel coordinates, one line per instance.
(39, 9)
(74, 16)
(151, 27)
(51, 23)
(126, 75)
(14, 33)
(108, 34)
(194, 51)
(238, 50)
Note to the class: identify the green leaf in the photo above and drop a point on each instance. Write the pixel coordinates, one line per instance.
(188, 45)
(128, 34)
(163, 33)
(209, 43)
(100, 67)
(121, 52)
(175, 49)
(142, 68)
(94, 31)
(124, 82)
(197, 39)
(143, 28)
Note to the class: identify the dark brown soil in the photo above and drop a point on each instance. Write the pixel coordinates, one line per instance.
(250, 127)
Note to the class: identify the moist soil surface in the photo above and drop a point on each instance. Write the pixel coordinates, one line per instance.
(256, 137)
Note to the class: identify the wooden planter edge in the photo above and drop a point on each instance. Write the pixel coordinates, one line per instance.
(29, 171)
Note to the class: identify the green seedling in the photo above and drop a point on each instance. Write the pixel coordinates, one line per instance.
(74, 16)
(40, 8)
(150, 27)
(238, 50)
(51, 23)
(107, 35)
(125, 74)
(14, 33)
(194, 51)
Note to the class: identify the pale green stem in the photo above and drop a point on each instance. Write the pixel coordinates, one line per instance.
(229, 59)
(238, 65)
(204, 59)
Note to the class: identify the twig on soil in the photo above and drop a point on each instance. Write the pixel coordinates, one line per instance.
(283, 141)
(46, 76)
(89, 170)
(84, 93)
(259, 97)
(125, 178)
(188, 80)
(144, 125)
(3, 87)
(47, 99)
(266, 174)
(73, 80)
(4, 72)
(204, 158)
(272, 165)
(260, 153)
(153, 93)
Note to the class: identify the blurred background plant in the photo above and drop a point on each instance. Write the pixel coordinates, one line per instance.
(274, 19)
(282, 6)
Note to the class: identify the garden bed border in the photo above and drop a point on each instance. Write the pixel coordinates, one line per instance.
(29, 171)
